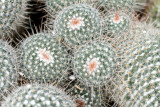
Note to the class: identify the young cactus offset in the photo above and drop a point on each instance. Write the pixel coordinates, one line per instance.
(42, 57)
(116, 22)
(141, 75)
(77, 24)
(7, 68)
(38, 96)
(88, 96)
(10, 15)
(94, 63)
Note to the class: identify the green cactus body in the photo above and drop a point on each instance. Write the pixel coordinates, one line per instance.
(141, 75)
(54, 6)
(7, 67)
(88, 95)
(43, 58)
(116, 22)
(77, 24)
(117, 4)
(38, 96)
(10, 10)
(94, 63)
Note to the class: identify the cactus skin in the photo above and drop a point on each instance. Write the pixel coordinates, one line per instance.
(54, 6)
(38, 96)
(89, 96)
(8, 73)
(117, 4)
(43, 58)
(116, 22)
(77, 24)
(94, 63)
(10, 11)
(142, 74)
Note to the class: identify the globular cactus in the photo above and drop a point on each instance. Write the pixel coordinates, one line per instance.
(38, 96)
(85, 96)
(116, 22)
(8, 72)
(77, 24)
(10, 15)
(141, 73)
(43, 57)
(94, 63)
(54, 6)
(117, 4)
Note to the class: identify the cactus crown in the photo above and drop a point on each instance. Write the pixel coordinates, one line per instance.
(43, 57)
(77, 24)
(117, 22)
(94, 63)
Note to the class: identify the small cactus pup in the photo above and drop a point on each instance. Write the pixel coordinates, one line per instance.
(85, 96)
(116, 22)
(141, 74)
(8, 72)
(43, 57)
(94, 63)
(11, 10)
(78, 24)
(38, 96)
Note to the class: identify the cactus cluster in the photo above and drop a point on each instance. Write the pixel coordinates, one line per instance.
(109, 54)
(42, 57)
(78, 24)
(7, 68)
(38, 96)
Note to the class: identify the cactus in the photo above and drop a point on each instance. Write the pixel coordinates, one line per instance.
(85, 96)
(77, 24)
(10, 15)
(140, 84)
(38, 96)
(54, 6)
(42, 57)
(116, 22)
(94, 63)
(117, 4)
(8, 73)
